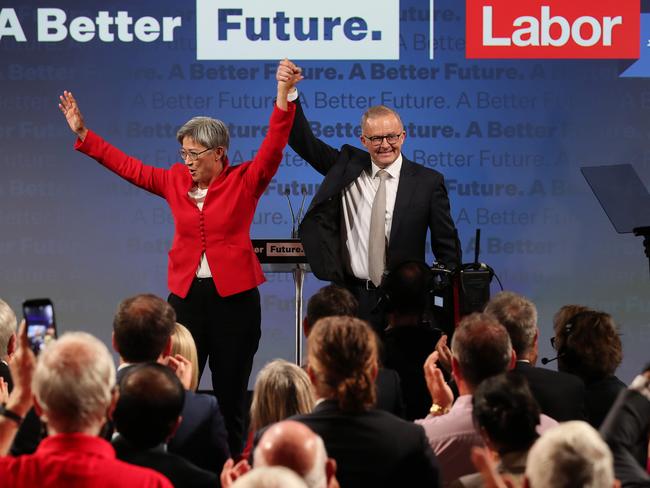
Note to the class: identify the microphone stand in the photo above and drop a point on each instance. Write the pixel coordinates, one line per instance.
(298, 275)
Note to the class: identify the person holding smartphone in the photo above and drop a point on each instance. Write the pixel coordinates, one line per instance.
(213, 272)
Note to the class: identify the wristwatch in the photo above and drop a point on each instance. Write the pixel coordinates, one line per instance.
(437, 409)
(5, 412)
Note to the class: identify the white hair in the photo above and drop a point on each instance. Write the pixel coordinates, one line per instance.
(569, 455)
(8, 324)
(270, 477)
(316, 477)
(73, 381)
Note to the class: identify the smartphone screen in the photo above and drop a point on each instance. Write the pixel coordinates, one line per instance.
(41, 326)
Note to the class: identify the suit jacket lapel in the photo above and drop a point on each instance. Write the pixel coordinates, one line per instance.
(405, 191)
(337, 179)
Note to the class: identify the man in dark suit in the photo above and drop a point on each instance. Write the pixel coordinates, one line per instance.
(374, 207)
(334, 300)
(561, 396)
(142, 330)
(147, 415)
(626, 429)
(8, 326)
(371, 447)
(410, 337)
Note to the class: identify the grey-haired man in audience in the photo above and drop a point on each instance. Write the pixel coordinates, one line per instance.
(480, 349)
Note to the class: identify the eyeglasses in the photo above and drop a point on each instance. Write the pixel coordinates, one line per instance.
(378, 140)
(191, 155)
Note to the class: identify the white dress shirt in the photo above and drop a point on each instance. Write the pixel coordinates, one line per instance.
(357, 201)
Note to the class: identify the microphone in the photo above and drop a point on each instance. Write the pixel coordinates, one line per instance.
(545, 361)
(294, 232)
(477, 248)
(303, 190)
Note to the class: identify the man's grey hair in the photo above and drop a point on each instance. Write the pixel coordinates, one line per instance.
(270, 477)
(316, 477)
(74, 380)
(569, 455)
(379, 111)
(8, 324)
(206, 131)
(518, 315)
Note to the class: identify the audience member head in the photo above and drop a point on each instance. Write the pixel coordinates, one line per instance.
(408, 288)
(294, 446)
(183, 344)
(569, 455)
(269, 477)
(151, 400)
(329, 301)
(343, 362)
(142, 328)
(8, 325)
(587, 343)
(480, 348)
(282, 389)
(505, 412)
(74, 384)
(519, 316)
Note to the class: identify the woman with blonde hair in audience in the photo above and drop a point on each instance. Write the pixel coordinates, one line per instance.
(282, 389)
(183, 344)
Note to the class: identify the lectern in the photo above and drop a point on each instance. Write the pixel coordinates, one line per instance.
(286, 256)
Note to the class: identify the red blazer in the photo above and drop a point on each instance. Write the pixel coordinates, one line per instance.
(222, 228)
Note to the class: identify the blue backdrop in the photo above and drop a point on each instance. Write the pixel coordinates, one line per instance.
(509, 136)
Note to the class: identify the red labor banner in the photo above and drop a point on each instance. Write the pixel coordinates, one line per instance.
(553, 29)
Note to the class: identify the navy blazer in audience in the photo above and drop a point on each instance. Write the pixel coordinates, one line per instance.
(181, 472)
(201, 437)
(561, 396)
(625, 430)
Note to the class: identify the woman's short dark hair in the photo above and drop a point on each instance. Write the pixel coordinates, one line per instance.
(588, 343)
(504, 408)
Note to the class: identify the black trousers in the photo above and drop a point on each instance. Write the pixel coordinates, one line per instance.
(372, 307)
(227, 333)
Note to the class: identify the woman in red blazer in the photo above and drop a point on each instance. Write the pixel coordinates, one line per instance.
(213, 272)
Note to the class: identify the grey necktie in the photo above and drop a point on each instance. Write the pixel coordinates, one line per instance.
(377, 238)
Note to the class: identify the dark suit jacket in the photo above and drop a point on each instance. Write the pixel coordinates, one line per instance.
(421, 204)
(406, 348)
(626, 431)
(599, 397)
(374, 448)
(178, 470)
(561, 396)
(201, 437)
(389, 392)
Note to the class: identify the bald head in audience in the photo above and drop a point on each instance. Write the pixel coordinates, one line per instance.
(293, 445)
